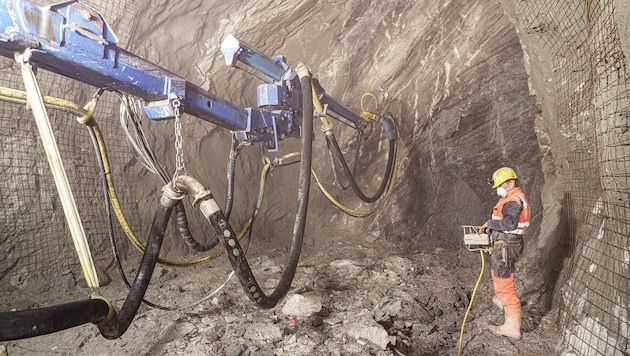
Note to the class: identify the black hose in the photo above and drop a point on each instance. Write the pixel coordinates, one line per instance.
(303, 190)
(234, 251)
(184, 231)
(388, 170)
(41, 321)
(229, 195)
(180, 213)
(93, 128)
(334, 159)
(118, 324)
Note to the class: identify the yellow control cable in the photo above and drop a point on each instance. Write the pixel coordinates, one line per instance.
(472, 298)
(86, 117)
(366, 115)
(21, 96)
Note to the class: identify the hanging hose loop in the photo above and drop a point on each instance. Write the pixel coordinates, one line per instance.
(366, 115)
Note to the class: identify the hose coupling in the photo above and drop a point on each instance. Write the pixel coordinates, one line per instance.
(302, 70)
(171, 195)
(280, 161)
(194, 188)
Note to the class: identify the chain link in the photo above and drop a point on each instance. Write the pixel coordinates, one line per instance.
(179, 151)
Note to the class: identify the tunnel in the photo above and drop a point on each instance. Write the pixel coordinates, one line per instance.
(469, 87)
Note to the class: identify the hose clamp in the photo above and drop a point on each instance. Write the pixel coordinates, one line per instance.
(171, 192)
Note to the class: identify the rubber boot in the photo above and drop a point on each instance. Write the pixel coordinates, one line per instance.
(511, 328)
(496, 301)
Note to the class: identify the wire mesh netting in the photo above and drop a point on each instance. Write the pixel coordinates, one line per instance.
(37, 248)
(593, 119)
(39, 253)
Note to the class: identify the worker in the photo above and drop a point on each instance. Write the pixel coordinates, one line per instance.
(510, 219)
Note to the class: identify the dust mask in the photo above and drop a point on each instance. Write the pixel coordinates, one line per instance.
(501, 192)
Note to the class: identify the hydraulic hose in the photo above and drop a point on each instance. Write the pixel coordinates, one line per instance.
(92, 127)
(334, 160)
(118, 323)
(349, 175)
(331, 141)
(373, 209)
(229, 195)
(182, 222)
(304, 185)
(41, 321)
(182, 225)
(212, 212)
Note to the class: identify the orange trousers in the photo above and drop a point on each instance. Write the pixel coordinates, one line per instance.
(505, 289)
(507, 249)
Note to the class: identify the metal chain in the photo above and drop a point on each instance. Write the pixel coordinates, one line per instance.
(179, 151)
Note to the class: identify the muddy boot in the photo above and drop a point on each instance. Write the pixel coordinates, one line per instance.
(511, 328)
(496, 301)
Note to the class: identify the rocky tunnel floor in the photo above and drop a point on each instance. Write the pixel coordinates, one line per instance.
(347, 299)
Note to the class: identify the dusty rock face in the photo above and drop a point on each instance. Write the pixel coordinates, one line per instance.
(452, 74)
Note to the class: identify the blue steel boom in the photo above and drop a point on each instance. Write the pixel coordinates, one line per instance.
(73, 39)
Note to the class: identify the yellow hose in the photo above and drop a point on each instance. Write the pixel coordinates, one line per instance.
(320, 109)
(86, 117)
(125, 224)
(366, 115)
(20, 95)
(472, 298)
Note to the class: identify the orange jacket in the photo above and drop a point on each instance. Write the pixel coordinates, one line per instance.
(504, 217)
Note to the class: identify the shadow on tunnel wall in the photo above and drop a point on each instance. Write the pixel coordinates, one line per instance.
(561, 250)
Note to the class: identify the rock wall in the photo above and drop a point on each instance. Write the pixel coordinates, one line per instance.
(453, 76)
(452, 73)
